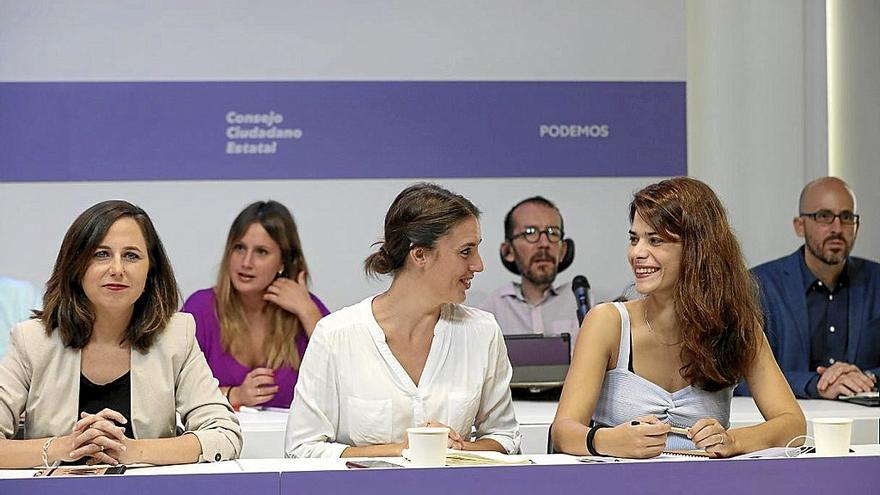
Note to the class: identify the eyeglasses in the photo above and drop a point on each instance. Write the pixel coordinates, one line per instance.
(826, 216)
(532, 235)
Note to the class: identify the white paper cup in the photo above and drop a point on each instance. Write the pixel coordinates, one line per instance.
(427, 446)
(832, 435)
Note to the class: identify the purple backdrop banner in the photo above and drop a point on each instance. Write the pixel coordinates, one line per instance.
(332, 129)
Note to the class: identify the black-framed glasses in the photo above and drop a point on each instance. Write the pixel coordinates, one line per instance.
(532, 235)
(827, 216)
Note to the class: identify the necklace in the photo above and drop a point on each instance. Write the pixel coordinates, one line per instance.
(651, 330)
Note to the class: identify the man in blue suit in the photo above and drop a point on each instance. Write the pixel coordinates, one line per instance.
(821, 305)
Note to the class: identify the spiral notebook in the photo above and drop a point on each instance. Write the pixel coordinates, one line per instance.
(689, 453)
(666, 455)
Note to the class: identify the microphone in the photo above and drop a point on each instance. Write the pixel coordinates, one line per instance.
(581, 288)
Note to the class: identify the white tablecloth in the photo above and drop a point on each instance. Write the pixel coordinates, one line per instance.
(264, 430)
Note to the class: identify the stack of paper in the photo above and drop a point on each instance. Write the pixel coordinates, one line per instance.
(459, 458)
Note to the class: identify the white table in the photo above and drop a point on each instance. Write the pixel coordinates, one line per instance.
(264, 430)
(336, 464)
(866, 420)
(263, 433)
(534, 423)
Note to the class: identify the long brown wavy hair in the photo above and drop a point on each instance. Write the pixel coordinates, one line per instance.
(280, 345)
(716, 298)
(65, 305)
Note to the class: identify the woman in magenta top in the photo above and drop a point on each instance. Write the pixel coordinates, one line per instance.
(255, 324)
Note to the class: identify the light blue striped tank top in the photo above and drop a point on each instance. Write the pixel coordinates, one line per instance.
(625, 396)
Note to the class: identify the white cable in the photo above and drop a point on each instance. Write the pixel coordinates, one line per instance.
(796, 451)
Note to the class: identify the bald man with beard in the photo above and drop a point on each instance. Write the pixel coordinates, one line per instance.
(821, 305)
(533, 233)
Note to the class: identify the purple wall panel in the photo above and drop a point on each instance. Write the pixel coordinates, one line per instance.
(855, 475)
(852, 475)
(183, 130)
(188, 484)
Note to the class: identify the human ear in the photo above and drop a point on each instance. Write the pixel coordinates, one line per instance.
(419, 256)
(798, 224)
(506, 251)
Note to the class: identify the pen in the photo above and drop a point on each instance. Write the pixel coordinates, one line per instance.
(589, 460)
(673, 429)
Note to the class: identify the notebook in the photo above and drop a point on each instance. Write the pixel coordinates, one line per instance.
(459, 458)
(689, 453)
(870, 399)
(538, 360)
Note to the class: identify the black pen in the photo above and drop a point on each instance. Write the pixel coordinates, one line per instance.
(673, 429)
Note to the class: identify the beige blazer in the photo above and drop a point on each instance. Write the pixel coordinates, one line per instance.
(40, 376)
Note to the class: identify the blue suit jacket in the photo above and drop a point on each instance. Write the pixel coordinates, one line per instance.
(784, 302)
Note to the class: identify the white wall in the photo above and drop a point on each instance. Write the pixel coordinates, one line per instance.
(756, 112)
(854, 108)
(170, 40)
(759, 118)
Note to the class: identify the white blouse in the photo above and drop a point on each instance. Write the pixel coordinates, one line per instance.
(352, 391)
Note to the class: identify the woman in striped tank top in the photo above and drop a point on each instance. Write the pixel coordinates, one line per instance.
(658, 373)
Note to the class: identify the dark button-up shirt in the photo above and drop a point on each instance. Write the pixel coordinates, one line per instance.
(828, 320)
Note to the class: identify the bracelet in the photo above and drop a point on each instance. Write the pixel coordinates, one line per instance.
(45, 452)
(228, 392)
(592, 433)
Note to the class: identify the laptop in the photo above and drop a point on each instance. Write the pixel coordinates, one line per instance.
(538, 361)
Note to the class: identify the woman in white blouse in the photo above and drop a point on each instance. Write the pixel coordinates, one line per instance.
(412, 355)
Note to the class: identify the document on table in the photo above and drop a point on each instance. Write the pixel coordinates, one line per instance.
(488, 458)
(773, 452)
(664, 457)
(777, 452)
(479, 458)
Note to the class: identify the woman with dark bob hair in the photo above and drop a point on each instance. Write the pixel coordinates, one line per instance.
(412, 355)
(104, 368)
(673, 357)
(254, 325)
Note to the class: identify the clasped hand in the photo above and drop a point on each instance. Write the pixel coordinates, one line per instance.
(842, 379)
(453, 440)
(98, 437)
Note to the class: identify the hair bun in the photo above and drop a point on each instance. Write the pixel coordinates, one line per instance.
(419, 215)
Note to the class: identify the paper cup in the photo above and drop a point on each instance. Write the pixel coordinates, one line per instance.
(427, 446)
(832, 435)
